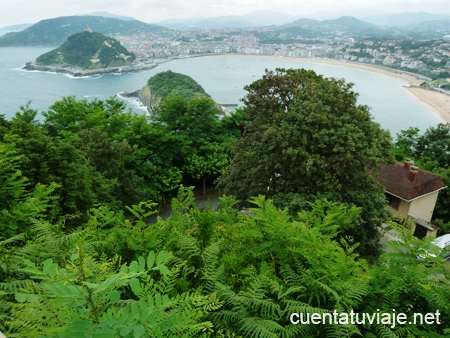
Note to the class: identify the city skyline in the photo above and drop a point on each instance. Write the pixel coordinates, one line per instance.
(154, 11)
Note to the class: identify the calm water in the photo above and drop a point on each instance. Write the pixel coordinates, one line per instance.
(223, 77)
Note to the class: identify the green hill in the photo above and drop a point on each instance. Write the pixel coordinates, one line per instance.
(87, 50)
(53, 32)
(168, 83)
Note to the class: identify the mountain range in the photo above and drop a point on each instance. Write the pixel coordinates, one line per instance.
(52, 32)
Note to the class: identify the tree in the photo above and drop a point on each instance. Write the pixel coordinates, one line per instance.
(307, 138)
(18, 207)
(434, 145)
(430, 151)
(203, 143)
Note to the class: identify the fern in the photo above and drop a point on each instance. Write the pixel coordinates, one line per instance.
(259, 328)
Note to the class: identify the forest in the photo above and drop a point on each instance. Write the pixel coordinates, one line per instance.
(297, 228)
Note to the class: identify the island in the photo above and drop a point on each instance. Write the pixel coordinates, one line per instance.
(88, 53)
(166, 84)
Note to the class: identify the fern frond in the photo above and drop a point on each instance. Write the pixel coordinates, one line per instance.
(259, 328)
(188, 246)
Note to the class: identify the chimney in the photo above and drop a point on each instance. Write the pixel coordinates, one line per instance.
(407, 164)
(413, 173)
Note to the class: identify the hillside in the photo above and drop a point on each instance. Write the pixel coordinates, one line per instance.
(166, 84)
(87, 50)
(309, 28)
(53, 32)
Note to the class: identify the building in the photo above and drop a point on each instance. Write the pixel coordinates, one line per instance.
(412, 193)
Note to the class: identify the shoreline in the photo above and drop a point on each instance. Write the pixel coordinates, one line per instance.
(437, 102)
(30, 66)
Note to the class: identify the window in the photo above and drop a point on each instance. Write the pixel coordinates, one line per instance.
(394, 202)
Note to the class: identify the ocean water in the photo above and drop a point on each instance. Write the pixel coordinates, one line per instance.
(223, 77)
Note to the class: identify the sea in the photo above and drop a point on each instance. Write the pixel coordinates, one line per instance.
(222, 76)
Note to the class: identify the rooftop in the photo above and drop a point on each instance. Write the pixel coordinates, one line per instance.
(409, 182)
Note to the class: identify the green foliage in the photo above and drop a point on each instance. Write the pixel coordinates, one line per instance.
(82, 255)
(289, 266)
(409, 285)
(212, 273)
(307, 138)
(168, 83)
(81, 48)
(89, 299)
(18, 206)
(74, 293)
(203, 142)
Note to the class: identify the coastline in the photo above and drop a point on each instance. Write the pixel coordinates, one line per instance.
(76, 72)
(437, 102)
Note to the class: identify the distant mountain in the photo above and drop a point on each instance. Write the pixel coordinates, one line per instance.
(53, 32)
(435, 29)
(403, 19)
(85, 51)
(110, 15)
(253, 19)
(14, 28)
(309, 28)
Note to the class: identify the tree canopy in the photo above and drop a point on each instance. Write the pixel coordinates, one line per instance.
(82, 255)
(307, 138)
(169, 83)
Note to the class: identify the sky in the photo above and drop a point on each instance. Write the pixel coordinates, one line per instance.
(154, 11)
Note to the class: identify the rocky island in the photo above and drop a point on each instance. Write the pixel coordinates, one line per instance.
(88, 53)
(164, 85)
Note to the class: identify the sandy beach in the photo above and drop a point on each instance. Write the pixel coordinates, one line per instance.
(438, 102)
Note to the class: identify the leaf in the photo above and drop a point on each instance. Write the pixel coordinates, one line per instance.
(49, 268)
(25, 297)
(114, 296)
(164, 270)
(138, 331)
(150, 259)
(125, 330)
(163, 256)
(135, 286)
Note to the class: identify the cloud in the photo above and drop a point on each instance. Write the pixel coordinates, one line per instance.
(20, 11)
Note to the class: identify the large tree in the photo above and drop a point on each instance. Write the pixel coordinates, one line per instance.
(307, 138)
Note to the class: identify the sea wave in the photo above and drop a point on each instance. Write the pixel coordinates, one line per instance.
(70, 76)
(132, 101)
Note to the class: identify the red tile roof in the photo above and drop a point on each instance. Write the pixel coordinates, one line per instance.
(396, 180)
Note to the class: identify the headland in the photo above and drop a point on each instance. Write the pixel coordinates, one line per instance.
(78, 72)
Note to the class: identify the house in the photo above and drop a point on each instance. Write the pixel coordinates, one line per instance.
(412, 193)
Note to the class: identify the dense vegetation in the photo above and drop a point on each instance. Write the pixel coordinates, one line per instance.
(308, 139)
(169, 83)
(82, 48)
(81, 256)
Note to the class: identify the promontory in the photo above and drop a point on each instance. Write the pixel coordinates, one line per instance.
(88, 53)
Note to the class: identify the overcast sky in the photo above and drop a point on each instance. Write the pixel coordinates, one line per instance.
(153, 11)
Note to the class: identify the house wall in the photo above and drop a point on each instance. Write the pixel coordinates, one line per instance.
(423, 207)
(402, 211)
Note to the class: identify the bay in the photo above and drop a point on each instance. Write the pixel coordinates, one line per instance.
(223, 77)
